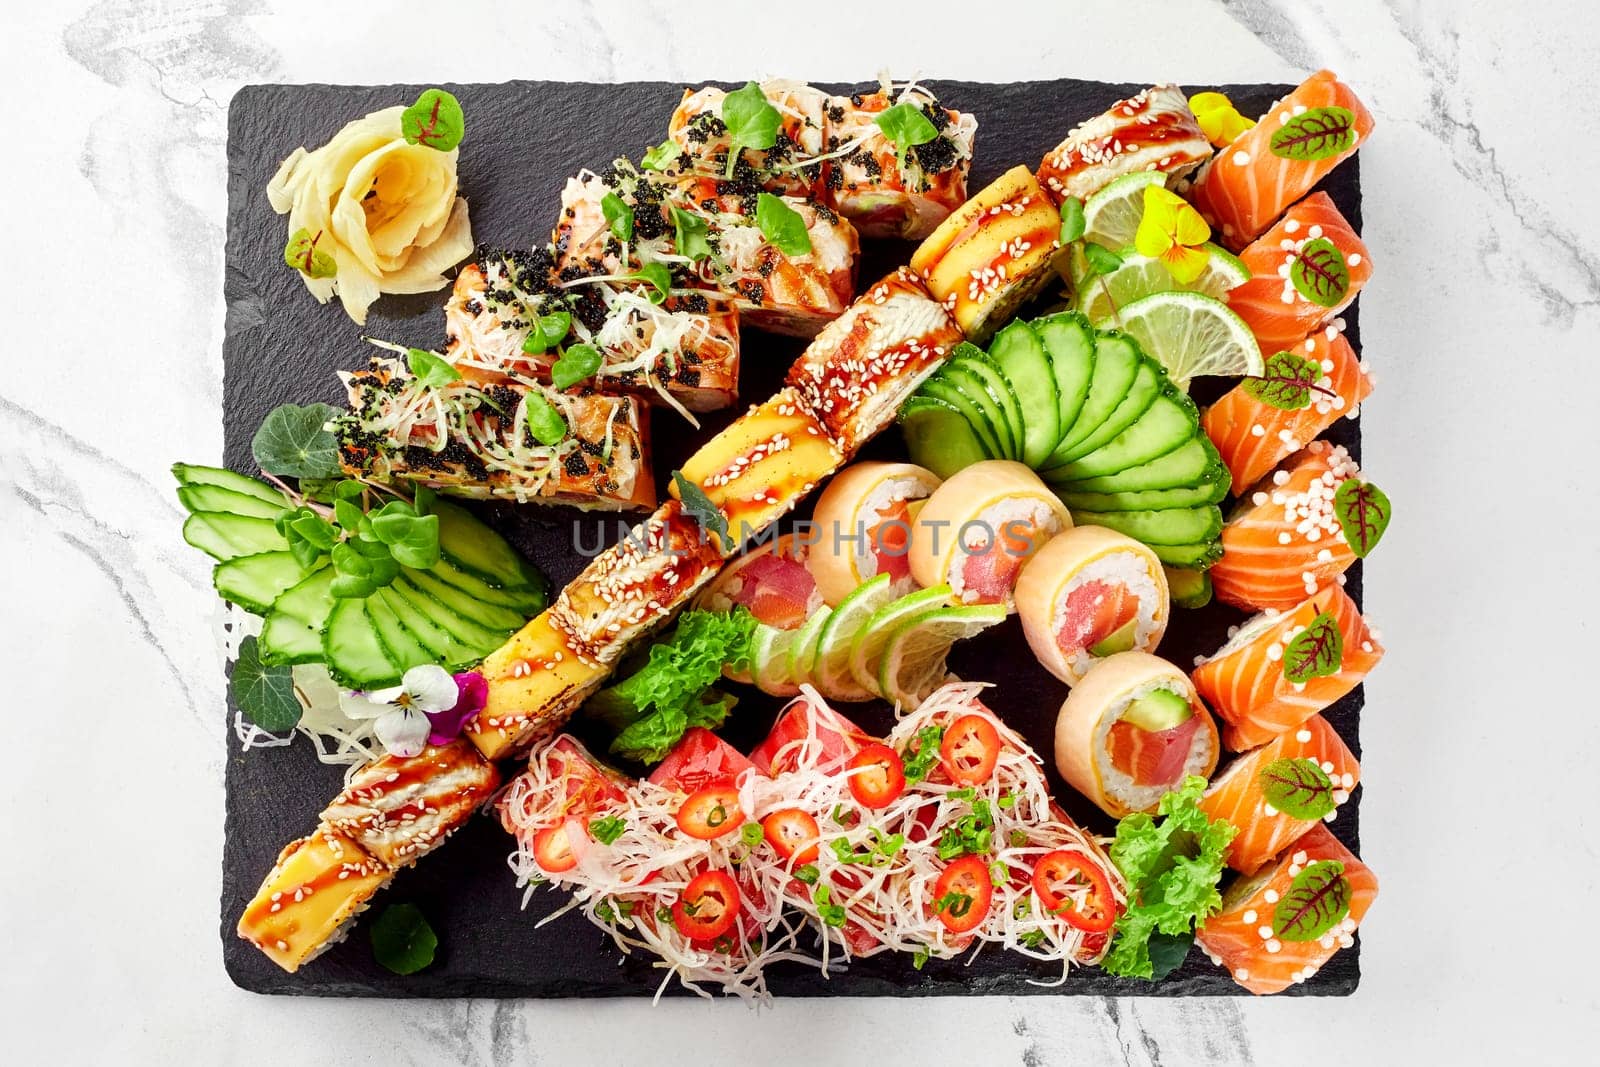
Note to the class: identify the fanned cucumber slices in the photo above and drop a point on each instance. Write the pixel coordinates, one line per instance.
(1096, 416)
(453, 613)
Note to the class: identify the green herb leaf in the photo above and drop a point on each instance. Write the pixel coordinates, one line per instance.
(689, 233)
(905, 125)
(607, 829)
(1167, 953)
(430, 369)
(348, 489)
(658, 277)
(1298, 788)
(314, 529)
(1318, 900)
(919, 760)
(435, 121)
(701, 509)
(1286, 382)
(830, 913)
(751, 120)
(578, 363)
(402, 940)
(293, 442)
(264, 694)
(1363, 512)
(661, 157)
(1316, 134)
(548, 331)
(807, 873)
(347, 514)
(1316, 652)
(1320, 274)
(1072, 222)
(544, 421)
(782, 225)
(619, 216)
(302, 254)
(919, 959)
(412, 539)
(1101, 260)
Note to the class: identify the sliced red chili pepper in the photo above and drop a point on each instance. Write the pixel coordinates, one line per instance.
(708, 907)
(711, 812)
(552, 850)
(962, 895)
(793, 833)
(970, 749)
(877, 776)
(1058, 873)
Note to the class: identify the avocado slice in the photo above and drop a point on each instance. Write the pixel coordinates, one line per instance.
(1158, 710)
(1119, 640)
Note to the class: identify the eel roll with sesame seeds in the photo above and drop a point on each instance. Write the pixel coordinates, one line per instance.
(1153, 131)
(489, 441)
(308, 900)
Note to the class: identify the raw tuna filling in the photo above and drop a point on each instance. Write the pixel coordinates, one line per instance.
(1093, 612)
(1151, 758)
(778, 590)
(1102, 598)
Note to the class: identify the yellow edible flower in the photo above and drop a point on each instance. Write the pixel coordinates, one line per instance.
(1219, 120)
(1173, 232)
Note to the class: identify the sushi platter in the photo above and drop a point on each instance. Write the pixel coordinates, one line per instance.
(787, 540)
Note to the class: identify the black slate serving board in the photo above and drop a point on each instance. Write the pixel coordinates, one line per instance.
(523, 140)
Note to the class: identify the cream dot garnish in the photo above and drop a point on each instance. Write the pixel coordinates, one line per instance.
(1241, 159)
(1303, 736)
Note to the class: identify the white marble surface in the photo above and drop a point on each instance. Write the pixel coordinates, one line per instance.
(1480, 322)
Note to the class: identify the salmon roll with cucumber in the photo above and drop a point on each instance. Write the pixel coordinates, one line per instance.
(1305, 389)
(1299, 530)
(1281, 668)
(862, 527)
(1281, 158)
(1089, 594)
(979, 527)
(1279, 927)
(1131, 730)
(1277, 792)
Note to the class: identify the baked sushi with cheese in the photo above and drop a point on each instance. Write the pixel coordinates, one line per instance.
(400, 808)
(862, 527)
(1152, 131)
(789, 167)
(536, 680)
(889, 190)
(318, 885)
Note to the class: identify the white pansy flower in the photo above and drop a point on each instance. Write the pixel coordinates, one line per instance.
(401, 713)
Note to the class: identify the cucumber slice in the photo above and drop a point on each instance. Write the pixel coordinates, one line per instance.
(223, 536)
(1116, 362)
(481, 639)
(1000, 390)
(1193, 463)
(355, 656)
(1190, 588)
(1173, 526)
(1069, 341)
(490, 616)
(292, 632)
(1148, 382)
(1187, 496)
(255, 582)
(197, 498)
(941, 388)
(475, 548)
(1196, 556)
(1165, 425)
(402, 645)
(445, 646)
(1020, 355)
(938, 436)
(976, 390)
(222, 478)
(526, 602)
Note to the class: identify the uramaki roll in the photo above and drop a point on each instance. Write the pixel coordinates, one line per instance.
(1131, 729)
(1089, 594)
(977, 530)
(863, 527)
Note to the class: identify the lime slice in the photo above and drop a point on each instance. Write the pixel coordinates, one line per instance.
(1140, 276)
(1192, 335)
(803, 651)
(866, 651)
(1111, 216)
(769, 660)
(830, 669)
(913, 661)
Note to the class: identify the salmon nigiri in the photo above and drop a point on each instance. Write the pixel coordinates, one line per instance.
(1278, 160)
(1278, 928)
(1285, 541)
(1309, 772)
(1303, 272)
(1253, 436)
(1248, 683)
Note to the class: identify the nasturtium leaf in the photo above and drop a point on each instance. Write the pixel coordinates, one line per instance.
(1318, 900)
(751, 120)
(544, 421)
(301, 253)
(547, 332)
(294, 442)
(1315, 134)
(689, 234)
(430, 369)
(618, 215)
(906, 126)
(1363, 511)
(434, 121)
(1285, 382)
(782, 225)
(701, 509)
(1101, 259)
(578, 363)
(1316, 652)
(1320, 274)
(1298, 788)
(658, 279)
(1072, 221)
(661, 156)
(402, 940)
(265, 695)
